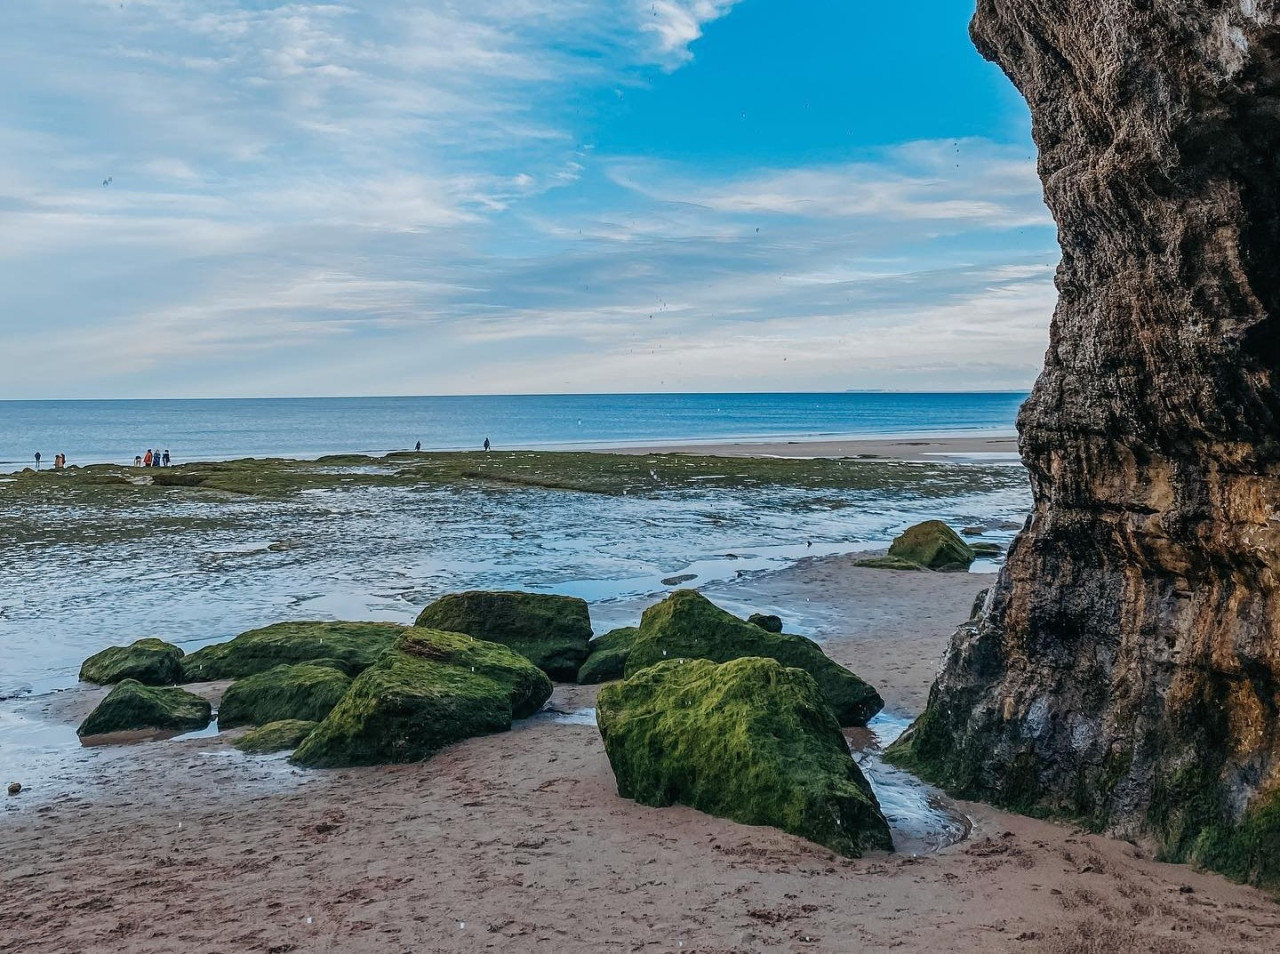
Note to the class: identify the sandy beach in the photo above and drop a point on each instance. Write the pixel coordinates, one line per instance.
(898, 448)
(520, 842)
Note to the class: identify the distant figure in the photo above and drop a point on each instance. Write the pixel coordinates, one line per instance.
(487, 445)
(166, 457)
(37, 460)
(146, 460)
(418, 447)
(137, 461)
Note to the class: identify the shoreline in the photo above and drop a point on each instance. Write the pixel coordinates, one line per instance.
(520, 841)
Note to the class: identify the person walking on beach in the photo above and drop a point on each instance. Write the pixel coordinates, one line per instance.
(146, 460)
(487, 445)
(137, 461)
(37, 460)
(166, 457)
(418, 447)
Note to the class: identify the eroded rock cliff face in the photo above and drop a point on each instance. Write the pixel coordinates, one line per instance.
(1126, 668)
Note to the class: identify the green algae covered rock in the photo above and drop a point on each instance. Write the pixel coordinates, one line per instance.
(354, 646)
(552, 631)
(934, 546)
(430, 690)
(152, 662)
(275, 736)
(750, 740)
(304, 692)
(608, 659)
(889, 563)
(769, 623)
(686, 625)
(131, 705)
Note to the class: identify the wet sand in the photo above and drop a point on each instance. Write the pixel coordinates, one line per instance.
(898, 448)
(519, 842)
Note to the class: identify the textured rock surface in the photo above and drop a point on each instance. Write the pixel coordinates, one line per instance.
(553, 631)
(306, 692)
(430, 690)
(274, 736)
(933, 545)
(1127, 666)
(749, 740)
(608, 659)
(152, 662)
(353, 646)
(131, 705)
(687, 625)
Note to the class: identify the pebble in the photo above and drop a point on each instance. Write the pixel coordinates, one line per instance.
(15, 788)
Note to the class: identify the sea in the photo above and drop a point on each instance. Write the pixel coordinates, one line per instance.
(90, 432)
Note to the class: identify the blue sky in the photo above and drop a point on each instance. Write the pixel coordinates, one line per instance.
(481, 196)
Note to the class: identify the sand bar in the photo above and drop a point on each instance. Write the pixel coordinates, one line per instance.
(898, 448)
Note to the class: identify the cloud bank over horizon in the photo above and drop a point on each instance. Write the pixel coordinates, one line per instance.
(239, 197)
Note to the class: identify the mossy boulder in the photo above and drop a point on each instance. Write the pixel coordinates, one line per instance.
(275, 736)
(889, 563)
(305, 692)
(432, 689)
(750, 740)
(986, 549)
(552, 631)
(353, 646)
(686, 625)
(934, 546)
(770, 624)
(152, 662)
(131, 705)
(608, 659)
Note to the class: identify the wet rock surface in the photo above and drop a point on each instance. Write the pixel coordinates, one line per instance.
(131, 705)
(1127, 667)
(152, 662)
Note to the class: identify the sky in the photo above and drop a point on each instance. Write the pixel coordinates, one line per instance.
(207, 198)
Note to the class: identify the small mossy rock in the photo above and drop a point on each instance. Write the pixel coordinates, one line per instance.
(687, 625)
(430, 690)
(552, 631)
(749, 740)
(275, 736)
(889, 563)
(305, 692)
(152, 662)
(933, 545)
(353, 646)
(986, 549)
(608, 659)
(131, 705)
(770, 624)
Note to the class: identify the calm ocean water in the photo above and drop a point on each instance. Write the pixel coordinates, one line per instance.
(114, 431)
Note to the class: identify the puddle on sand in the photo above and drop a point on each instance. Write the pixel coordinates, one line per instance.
(922, 819)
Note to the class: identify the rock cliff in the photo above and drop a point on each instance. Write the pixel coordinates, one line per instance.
(1126, 667)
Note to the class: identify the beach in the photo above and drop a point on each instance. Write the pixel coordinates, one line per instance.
(519, 841)
(917, 448)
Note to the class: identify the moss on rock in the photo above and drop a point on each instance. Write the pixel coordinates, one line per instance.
(552, 631)
(608, 659)
(305, 692)
(354, 646)
(750, 740)
(934, 546)
(686, 625)
(889, 563)
(430, 690)
(770, 624)
(131, 705)
(152, 662)
(275, 736)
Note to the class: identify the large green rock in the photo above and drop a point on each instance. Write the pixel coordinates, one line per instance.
(305, 692)
(686, 625)
(274, 737)
(152, 662)
(431, 690)
(750, 740)
(608, 659)
(353, 645)
(934, 546)
(131, 705)
(553, 631)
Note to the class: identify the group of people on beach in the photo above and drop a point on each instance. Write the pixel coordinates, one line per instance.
(152, 459)
(59, 461)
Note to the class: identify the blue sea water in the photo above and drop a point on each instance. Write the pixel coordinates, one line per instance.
(115, 431)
